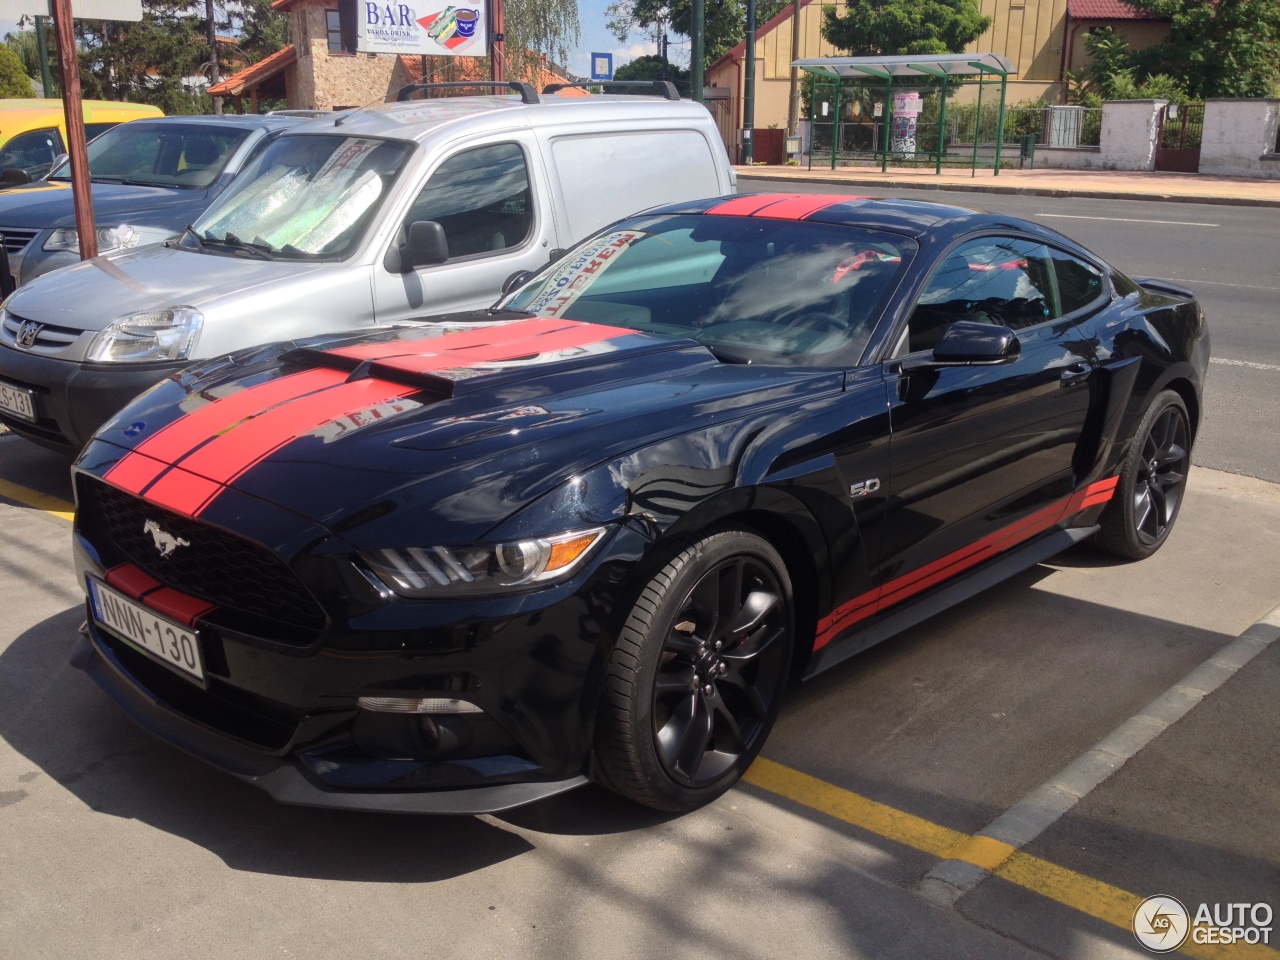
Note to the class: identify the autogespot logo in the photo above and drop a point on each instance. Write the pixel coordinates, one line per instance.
(1161, 924)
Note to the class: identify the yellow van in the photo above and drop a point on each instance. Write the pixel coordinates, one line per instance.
(34, 132)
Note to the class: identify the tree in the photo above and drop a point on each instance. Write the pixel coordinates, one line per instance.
(1216, 48)
(14, 81)
(649, 68)
(892, 27)
(533, 27)
(725, 21)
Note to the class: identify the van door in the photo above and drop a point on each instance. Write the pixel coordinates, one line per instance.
(491, 200)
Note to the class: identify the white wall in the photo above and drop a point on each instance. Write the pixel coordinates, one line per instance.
(1129, 130)
(1240, 138)
(1069, 158)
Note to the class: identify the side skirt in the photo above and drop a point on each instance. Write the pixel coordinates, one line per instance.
(969, 584)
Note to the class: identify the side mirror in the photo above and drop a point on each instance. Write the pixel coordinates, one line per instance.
(517, 279)
(556, 254)
(14, 176)
(425, 244)
(58, 161)
(967, 342)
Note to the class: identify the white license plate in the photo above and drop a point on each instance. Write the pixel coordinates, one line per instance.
(18, 400)
(169, 642)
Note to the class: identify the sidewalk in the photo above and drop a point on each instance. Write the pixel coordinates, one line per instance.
(1107, 184)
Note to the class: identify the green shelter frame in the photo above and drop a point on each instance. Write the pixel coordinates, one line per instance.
(984, 66)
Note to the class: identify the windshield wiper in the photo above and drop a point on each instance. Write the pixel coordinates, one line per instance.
(200, 241)
(262, 251)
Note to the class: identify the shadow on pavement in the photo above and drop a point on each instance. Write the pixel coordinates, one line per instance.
(21, 461)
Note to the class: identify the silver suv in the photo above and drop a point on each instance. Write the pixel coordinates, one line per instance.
(369, 217)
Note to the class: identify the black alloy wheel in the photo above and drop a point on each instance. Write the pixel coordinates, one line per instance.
(1153, 478)
(695, 682)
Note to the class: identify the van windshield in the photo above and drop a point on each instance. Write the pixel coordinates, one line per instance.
(167, 154)
(305, 197)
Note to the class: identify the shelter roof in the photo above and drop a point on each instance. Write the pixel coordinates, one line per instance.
(950, 64)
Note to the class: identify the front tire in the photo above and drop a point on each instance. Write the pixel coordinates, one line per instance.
(1153, 477)
(696, 678)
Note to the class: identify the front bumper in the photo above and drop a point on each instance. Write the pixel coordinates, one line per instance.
(72, 399)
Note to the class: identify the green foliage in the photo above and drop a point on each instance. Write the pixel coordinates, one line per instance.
(24, 44)
(1216, 48)
(649, 68)
(14, 81)
(725, 21)
(546, 27)
(889, 27)
(260, 30)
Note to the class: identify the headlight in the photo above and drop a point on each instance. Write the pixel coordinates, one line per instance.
(109, 238)
(469, 571)
(167, 334)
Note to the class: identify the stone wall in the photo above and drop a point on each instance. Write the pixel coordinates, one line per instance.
(332, 81)
(1240, 138)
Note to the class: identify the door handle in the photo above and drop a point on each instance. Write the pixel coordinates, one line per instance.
(1076, 373)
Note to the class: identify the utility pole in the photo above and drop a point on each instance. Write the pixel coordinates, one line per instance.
(215, 71)
(497, 54)
(73, 111)
(749, 91)
(662, 47)
(42, 47)
(793, 102)
(696, 32)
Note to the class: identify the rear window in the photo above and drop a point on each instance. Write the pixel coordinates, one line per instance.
(161, 154)
(754, 290)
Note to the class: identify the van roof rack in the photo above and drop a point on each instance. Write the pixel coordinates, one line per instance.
(526, 91)
(663, 88)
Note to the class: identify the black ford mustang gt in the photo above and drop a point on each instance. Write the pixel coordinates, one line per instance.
(465, 563)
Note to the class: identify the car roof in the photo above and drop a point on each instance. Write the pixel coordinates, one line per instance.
(254, 121)
(418, 119)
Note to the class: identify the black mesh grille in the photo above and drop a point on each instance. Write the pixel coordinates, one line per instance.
(219, 567)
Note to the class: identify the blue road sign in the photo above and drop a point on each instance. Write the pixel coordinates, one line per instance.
(602, 66)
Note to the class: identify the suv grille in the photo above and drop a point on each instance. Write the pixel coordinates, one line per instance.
(16, 239)
(49, 336)
(219, 567)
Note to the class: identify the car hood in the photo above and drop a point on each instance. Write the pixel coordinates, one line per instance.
(90, 294)
(442, 430)
(47, 204)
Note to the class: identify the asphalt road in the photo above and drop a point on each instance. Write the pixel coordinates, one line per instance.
(1230, 256)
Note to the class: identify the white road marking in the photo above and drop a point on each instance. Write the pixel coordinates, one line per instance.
(1223, 283)
(1245, 363)
(1178, 223)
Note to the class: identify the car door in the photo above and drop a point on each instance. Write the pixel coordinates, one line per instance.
(490, 200)
(982, 455)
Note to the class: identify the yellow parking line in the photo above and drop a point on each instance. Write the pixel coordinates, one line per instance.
(1075, 890)
(34, 498)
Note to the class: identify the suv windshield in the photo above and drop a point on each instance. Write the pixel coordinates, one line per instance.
(305, 197)
(753, 290)
(160, 154)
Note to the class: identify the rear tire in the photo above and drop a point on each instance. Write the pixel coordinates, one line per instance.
(694, 684)
(1153, 477)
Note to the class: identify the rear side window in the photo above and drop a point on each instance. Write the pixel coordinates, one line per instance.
(1079, 284)
(604, 178)
(32, 152)
(91, 130)
(481, 198)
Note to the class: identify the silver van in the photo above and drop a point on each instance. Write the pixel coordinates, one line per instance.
(369, 217)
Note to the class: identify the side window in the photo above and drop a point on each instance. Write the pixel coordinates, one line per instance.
(32, 151)
(996, 280)
(1079, 284)
(481, 198)
(91, 130)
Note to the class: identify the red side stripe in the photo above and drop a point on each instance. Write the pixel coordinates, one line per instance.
(797, 208)
(231, 454)
(130, 580)
(489, 336)
(748, 205)
(178, 606)
(937, 571)
(577, 335)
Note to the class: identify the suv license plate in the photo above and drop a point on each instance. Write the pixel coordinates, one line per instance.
(18, 401)
(171, 643)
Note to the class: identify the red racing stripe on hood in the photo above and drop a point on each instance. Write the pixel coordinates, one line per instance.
(575, 335)
(491, 336)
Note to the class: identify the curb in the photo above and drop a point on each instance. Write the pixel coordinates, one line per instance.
(1012, 191)
(1042, 807)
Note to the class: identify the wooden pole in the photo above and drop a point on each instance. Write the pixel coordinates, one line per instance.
(793, 97)
(73, 110)
(215, 71)
(497, 54)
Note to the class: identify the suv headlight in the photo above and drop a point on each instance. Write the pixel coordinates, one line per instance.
(109, 239)
(494, 568)
(168, 334)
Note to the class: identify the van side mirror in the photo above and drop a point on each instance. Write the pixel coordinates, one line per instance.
(967, 342)
(517, 279)
(58, 161)
(425, 244)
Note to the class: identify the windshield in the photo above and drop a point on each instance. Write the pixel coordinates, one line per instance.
(305, 197)
(160, 154)
(754, 290)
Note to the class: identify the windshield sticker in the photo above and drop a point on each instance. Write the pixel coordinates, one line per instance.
(572, 278)
(348, 154)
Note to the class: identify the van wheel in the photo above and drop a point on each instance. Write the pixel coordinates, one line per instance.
(695, 681)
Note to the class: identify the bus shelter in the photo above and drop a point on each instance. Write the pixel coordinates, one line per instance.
(919, 131)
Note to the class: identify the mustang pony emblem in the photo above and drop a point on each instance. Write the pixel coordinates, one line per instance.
(27, 334)
(166, 543)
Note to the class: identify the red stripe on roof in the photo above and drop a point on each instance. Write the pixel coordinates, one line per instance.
(748, 205)
(797, 208)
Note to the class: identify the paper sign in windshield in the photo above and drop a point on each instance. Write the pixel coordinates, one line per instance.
(572, 278)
